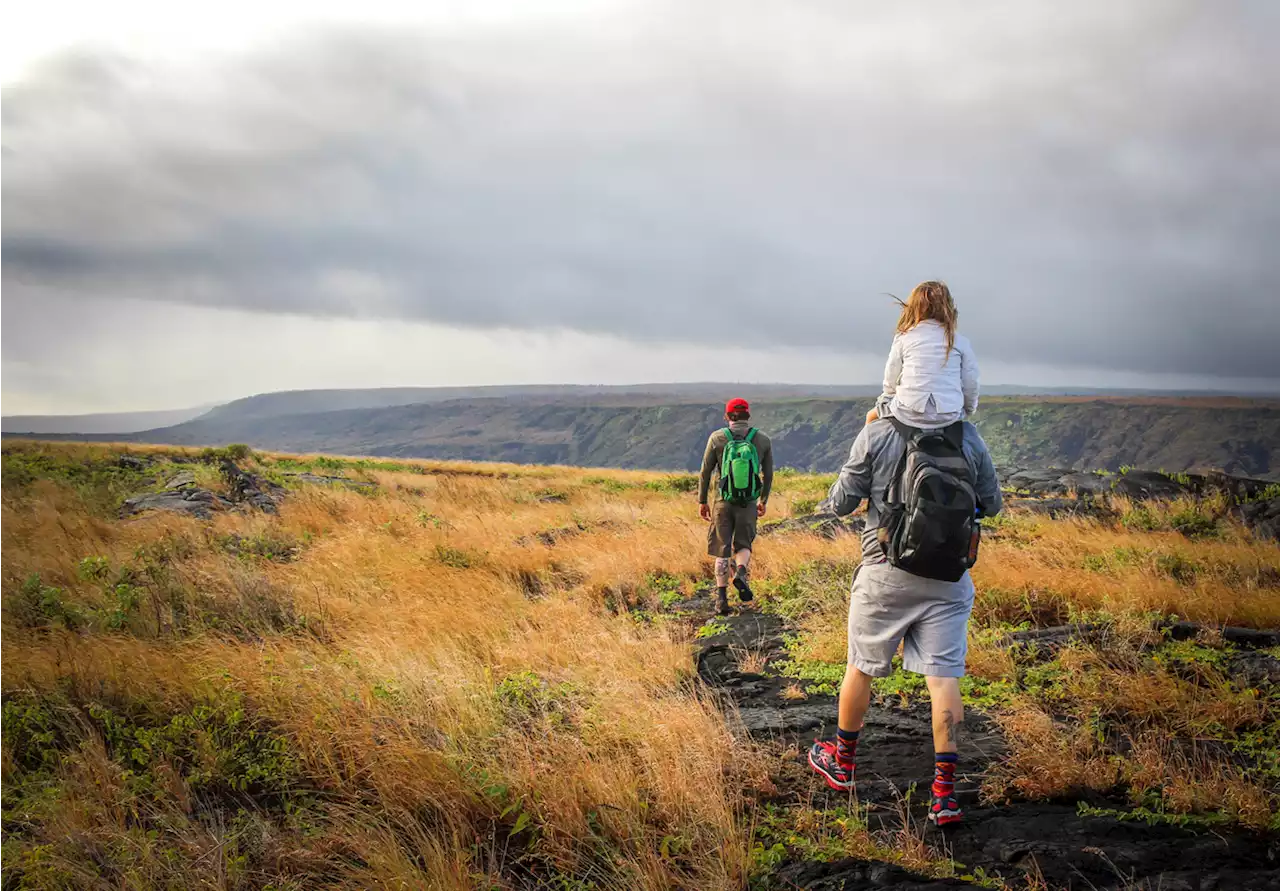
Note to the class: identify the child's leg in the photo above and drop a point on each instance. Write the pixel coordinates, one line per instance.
(882, 409)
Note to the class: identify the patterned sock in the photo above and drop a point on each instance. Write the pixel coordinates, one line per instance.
(846, 746)
(944, 774)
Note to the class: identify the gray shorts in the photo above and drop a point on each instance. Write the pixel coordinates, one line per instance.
(930, 618)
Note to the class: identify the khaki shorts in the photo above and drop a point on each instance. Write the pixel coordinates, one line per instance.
(732, 529)
(930, 618)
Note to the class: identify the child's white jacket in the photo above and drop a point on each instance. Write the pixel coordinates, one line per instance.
(920, 368)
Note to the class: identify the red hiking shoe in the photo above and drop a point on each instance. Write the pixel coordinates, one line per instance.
(944, 810)
(822, 758)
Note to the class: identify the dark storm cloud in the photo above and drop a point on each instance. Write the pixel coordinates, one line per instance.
(1098, 184)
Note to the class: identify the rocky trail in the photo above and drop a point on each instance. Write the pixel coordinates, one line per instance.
(1022, 842)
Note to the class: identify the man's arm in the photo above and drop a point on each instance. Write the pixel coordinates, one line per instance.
(708, 465)
(987, 485)
(854, 482)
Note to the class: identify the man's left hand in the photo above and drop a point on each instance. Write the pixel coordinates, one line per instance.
(760, 509)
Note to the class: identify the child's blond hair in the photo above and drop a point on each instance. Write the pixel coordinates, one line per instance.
(930, 300)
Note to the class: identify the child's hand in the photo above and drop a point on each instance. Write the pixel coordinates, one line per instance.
(872, 415)
(760, 509)
(704, 511)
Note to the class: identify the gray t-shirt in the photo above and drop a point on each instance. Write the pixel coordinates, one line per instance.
(872, 463)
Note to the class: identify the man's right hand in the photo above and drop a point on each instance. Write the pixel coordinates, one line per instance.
(704, 511)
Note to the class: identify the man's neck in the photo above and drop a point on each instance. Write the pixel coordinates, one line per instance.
(739, 428)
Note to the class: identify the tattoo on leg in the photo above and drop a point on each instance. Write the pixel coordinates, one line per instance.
(951, 724)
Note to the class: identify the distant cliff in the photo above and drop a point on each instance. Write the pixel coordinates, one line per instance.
(1082, 433)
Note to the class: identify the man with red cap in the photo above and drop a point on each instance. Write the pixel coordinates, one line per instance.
(737, 469)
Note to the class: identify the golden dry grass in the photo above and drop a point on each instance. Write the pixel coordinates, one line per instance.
(470, 683)
(452, 681)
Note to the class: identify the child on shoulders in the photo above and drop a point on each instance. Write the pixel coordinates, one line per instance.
(931, 378)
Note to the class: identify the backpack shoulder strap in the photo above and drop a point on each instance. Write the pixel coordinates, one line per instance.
(954, 434)
(751, 434)
(728, 434)
(908, 435)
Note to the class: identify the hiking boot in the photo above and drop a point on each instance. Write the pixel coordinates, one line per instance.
(944, 810)
(722, 602)
(822, 758)
(740, 582)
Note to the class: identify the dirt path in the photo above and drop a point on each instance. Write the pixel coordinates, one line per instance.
(1019, 840)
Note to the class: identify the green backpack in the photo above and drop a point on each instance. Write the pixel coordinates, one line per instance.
(740, 481)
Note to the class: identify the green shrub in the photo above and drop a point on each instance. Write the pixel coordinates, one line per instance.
(824, 677)
(268, 544)
(101, 481)
(711, 629)
(217, 746)
(1177, 567)
(454, 557)
(524, 695)
(429, 520)
(1191, 653)
(906, 685)
(120, 593)
(683, 483)
(234, 452)
(36, 731)
(37, 605)
(803, 506)
(663, 587)
(810, 586)
(550, 496)
(1116, 558)
(1141, 519)
(1270, 492)
(1193, 523)
(609, 484)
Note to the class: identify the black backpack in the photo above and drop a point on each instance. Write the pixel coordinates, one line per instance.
(929, 526)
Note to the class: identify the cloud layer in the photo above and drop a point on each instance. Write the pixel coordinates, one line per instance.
(1096, 181)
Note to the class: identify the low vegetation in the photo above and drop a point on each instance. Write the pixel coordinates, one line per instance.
(479, 676)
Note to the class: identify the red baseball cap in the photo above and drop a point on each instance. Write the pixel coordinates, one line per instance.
(734, 405)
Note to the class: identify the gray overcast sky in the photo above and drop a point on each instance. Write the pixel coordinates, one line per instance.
(608, 192)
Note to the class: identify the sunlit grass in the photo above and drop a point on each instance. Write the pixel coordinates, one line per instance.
(465, 678)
